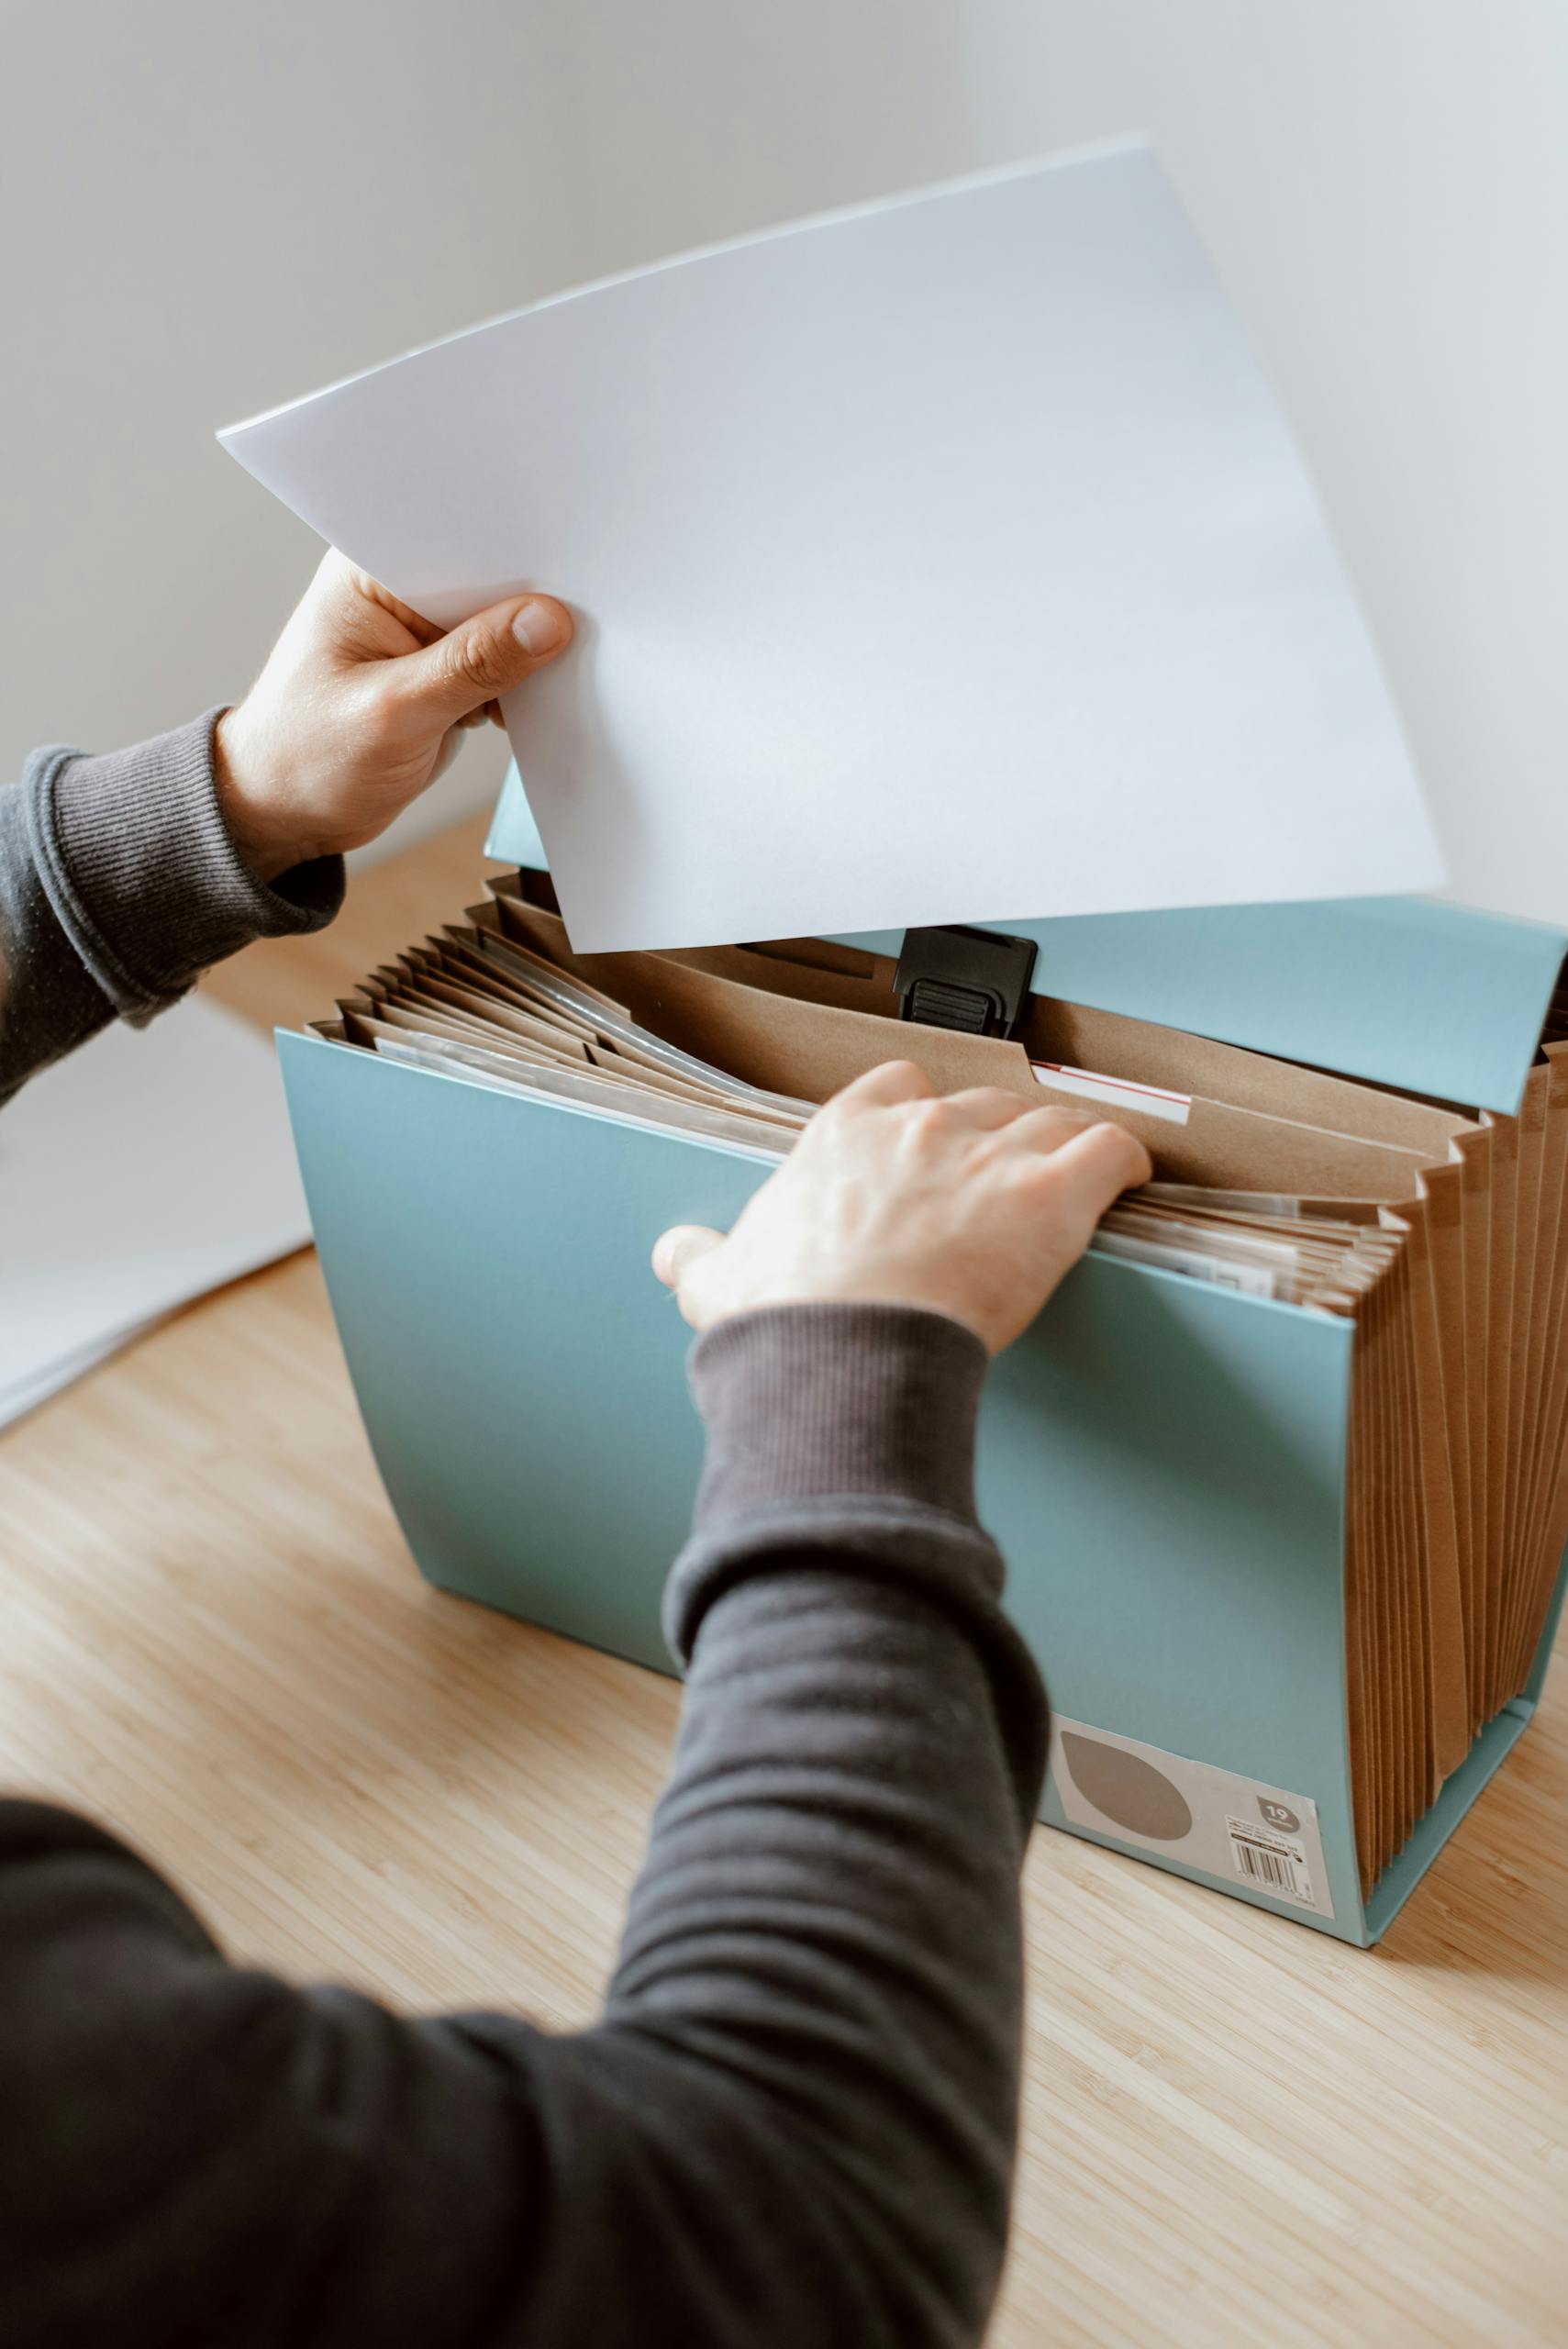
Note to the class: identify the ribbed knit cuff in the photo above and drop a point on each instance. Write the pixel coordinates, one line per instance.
(141, 873)
(809, 1401)
(844, 1436)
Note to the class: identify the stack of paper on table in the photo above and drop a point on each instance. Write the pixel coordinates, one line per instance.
(153, 1165)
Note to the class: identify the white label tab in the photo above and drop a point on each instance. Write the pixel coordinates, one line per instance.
(1117, 1092)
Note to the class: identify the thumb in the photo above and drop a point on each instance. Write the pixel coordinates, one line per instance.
(678, 1251)
(483, 658)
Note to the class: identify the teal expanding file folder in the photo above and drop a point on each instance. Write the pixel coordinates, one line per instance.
(1163, 1463)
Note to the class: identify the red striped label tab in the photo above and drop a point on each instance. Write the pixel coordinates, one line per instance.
(1115, 1092)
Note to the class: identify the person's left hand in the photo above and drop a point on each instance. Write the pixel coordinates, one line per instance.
(358, 708)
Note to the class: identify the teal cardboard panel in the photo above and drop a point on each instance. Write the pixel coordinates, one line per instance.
(1404, 991)
(1162, 1462)
(1163, 1466)
(1433, 999)
(519, 1369)
(514, 836)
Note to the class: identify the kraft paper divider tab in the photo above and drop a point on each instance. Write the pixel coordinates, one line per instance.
(1504, 1195)
(1546, 1518)
(1435, 1583)
(1519, 1558)
(1371, 1567)
(1525, 1315)
(1474, 1151)
(811, 1047)
(1552, 1279)
(1410, 1617)
(1523, 1366)
(1439, 1191)
(1391, 1561)
(1432, 1497)
(1220, 1075)
(1546, 1525)
(1366, 1678)
(1425, 1597)
(1550, 1266)
(1360, 1632)
(1415, 1749)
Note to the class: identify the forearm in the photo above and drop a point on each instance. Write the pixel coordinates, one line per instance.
(795, 2122)
(119, 886)
(827, 1931)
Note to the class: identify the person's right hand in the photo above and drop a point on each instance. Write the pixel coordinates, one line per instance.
(972, 1205)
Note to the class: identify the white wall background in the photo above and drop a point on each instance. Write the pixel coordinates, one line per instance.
(207, 208)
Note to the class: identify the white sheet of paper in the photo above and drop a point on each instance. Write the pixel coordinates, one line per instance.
(153, 1165)
(943, 561)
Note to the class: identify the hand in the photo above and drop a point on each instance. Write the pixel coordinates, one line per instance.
(358, 708)
(974, 1205)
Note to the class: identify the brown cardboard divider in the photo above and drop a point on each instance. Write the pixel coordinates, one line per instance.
(1448, 1672)
(804, 1046)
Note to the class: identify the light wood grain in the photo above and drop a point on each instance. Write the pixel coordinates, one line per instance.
(1235, 2132)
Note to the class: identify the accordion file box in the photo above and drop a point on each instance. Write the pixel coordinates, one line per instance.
(1225, 1517)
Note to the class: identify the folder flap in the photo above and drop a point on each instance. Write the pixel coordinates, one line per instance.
(486, 1258)
(1163, 1466)
(514, 836)
(1431, 997)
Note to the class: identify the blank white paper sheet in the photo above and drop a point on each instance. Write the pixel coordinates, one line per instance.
(153, 1165)
(948, 559)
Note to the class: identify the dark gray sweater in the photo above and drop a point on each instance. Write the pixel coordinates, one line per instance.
(794, 2122)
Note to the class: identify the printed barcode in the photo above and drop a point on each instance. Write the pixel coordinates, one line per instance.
(1279, 1871)
(1269, 1867)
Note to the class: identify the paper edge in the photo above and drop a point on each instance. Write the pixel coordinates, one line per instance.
(1091, 150)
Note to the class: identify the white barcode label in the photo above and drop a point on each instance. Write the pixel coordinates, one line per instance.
(1273, 1862)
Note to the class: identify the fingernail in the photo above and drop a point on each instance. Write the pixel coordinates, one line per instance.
(536, 628)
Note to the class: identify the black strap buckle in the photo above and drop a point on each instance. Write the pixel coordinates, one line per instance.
(977, 981)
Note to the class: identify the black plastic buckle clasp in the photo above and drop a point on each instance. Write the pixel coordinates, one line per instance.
(974, 980)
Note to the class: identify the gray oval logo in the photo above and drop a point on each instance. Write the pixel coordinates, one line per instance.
(1127, 1789)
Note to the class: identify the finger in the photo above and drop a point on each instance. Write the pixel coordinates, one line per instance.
(348, 578)
(481, 659)
(891, 1082)
(1093, 1169)
(986, 1107)
(1047, 1127)
(452, 743)
(683, 1245)
(367, 621)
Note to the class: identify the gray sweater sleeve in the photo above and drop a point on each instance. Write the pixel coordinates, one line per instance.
(119, 886)
(793, 2123)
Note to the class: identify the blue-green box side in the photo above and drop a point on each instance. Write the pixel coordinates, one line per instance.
(1162, 1462)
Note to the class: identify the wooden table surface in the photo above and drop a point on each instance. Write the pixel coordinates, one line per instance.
(1235, 2130)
